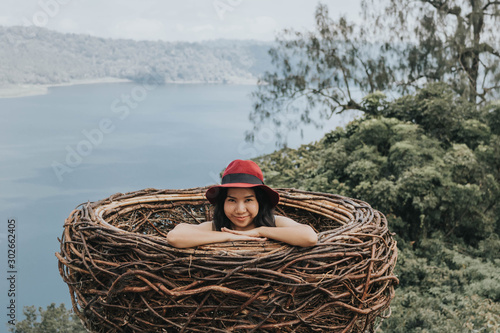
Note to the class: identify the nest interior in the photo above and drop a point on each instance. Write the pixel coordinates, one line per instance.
(123, 276)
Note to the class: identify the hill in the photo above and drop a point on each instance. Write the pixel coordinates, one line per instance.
(41, 56)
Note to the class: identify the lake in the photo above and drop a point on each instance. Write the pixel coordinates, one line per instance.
(85, 142)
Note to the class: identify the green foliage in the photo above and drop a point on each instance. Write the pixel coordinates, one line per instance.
(490, 247)
(52, 320)
(373, 103)
(431, 162)
(443, 290)
(428, 160)
(493, 116)
(440, 112)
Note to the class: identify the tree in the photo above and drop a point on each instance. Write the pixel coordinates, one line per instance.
(407, 45)
(317, 74)
(455, 41)
(54, 320)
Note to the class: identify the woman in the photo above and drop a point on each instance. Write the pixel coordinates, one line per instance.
(243, 211)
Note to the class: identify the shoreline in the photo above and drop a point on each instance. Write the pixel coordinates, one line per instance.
(27, 90)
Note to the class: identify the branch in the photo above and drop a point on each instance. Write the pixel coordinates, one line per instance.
(490, 3)
(293, 98)
(490, 49)
(369, 76)
(483, 47)
(342, 68)
(320, 92)
(443, 7)
(487, 90)
(467, 73)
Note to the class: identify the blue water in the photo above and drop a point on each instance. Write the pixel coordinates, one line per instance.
(83, 143)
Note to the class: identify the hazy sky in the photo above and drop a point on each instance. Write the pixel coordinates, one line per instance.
(189, 20)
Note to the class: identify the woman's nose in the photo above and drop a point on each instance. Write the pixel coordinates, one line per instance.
(240, 207)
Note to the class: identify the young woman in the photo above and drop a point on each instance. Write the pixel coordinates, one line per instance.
(243, 211)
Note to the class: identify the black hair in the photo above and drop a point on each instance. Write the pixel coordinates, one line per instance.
(264, 218)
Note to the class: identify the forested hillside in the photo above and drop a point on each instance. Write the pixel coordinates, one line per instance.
(48, 57)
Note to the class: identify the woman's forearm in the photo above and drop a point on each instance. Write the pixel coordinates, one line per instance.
(300, 236)
(188, 236)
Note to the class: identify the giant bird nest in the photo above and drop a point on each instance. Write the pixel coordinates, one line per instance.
(123, 276)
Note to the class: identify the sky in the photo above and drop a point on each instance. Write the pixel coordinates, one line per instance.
(168, 20)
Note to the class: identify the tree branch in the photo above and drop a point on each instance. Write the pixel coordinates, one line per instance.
(490, 49)
(368, 74)
(443, 7)
(490, 3)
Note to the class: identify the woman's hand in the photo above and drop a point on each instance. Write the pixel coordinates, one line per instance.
(252, 234)
(286, 230)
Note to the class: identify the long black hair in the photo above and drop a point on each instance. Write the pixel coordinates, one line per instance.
(264, 218)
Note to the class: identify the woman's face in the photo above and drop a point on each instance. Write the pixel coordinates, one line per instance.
(241, 207)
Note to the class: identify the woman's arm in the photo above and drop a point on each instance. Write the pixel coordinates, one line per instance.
(190, 235)
(287, 231)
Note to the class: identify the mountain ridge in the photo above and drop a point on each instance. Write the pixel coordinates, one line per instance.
(38, 56)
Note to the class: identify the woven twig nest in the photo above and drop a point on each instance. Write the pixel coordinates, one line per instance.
(123, 276)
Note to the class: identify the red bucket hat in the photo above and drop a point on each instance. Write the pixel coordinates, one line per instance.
(243, 173)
